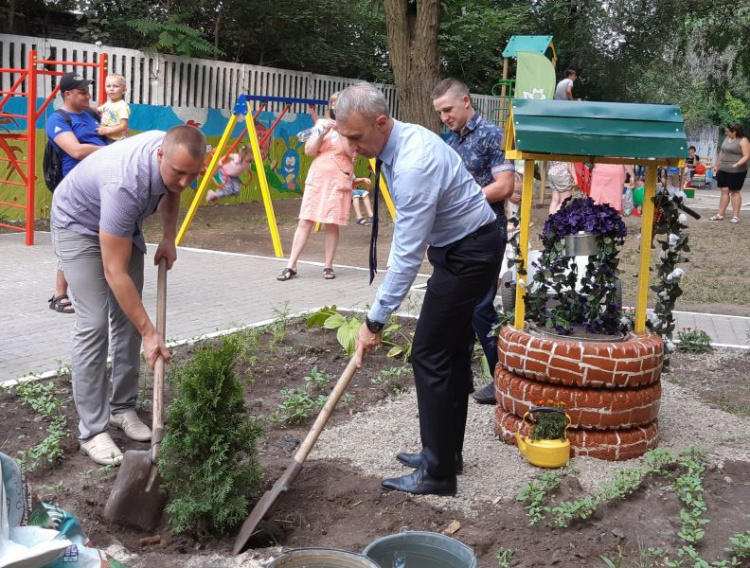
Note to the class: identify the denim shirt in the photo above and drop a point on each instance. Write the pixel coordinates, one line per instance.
(480, 145)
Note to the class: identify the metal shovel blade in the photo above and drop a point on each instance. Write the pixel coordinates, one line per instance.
(135, 500)
(264, 507)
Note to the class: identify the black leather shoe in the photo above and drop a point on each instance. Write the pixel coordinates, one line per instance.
(486, 395)
(415, 461)
(422, 483)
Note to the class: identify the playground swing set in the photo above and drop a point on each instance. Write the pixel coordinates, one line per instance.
(220, 154)
(24, 84)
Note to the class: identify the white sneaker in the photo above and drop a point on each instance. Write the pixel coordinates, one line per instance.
(133, 426)
(102, 450)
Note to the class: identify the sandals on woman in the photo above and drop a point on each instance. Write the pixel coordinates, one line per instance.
(362, 221)
(61, 304)
(735, 219)
(286, 274)
(716, 217)
(328, 274)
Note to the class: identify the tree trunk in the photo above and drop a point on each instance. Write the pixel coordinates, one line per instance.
(412, 43)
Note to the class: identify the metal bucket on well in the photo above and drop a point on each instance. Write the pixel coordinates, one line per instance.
(416, 549)
(322, 558)
(581, 244)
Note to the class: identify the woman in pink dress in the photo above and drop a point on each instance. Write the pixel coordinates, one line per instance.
(328, 192)
(607, 182)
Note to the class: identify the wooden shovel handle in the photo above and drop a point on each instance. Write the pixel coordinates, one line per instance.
(157, 425)
(325, 412)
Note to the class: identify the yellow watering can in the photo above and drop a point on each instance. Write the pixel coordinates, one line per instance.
(545, 453)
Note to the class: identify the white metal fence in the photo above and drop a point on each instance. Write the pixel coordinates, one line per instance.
(164, 80)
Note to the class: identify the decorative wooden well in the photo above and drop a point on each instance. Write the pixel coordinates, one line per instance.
(610, 386)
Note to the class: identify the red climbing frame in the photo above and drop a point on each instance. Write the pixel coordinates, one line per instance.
(25, 85)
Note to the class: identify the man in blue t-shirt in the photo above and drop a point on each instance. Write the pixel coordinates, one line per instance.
(75, 141)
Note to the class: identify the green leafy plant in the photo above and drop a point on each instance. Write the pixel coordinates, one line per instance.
(390, 379)
(346, 329)
(296, 406)
(208, 457)
(44, 399)
(549, 424)
(399, 342)
(317, 379)
(173, 36)
(617, 562)
(694, 341)
(504, 556)
(671, 224)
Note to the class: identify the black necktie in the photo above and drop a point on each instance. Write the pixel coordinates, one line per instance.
(374, 234)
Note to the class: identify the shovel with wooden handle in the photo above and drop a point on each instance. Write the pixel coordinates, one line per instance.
(264, 507)
(136, 500)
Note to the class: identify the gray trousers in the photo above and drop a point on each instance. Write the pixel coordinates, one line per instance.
(97, 316)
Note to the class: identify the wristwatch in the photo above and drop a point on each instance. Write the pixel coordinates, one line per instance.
(374, 326)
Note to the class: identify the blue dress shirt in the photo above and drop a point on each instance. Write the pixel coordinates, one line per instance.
(437, 203)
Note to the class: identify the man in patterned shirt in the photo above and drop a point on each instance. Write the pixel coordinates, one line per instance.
(479, 143)
(96, 218)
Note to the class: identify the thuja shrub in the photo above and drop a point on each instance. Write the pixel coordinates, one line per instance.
(208, 458)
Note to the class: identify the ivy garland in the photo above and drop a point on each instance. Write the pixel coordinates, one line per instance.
(668, 221)
(595, 305)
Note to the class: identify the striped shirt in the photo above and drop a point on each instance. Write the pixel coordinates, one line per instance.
(113, 189)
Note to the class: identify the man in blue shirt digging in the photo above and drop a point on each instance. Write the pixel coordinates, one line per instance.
(479, 143)
(437, 204)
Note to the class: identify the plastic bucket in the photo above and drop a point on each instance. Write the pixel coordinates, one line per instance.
(417, 549)
(322, 558)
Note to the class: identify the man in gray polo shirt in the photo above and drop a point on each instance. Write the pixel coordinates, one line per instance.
(97, 215)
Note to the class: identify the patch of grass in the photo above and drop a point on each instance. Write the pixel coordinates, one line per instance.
(44, 399)
(390, 379)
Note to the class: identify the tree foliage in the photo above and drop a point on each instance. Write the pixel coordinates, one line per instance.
(692, 54)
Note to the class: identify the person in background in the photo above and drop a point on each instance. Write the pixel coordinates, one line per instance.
(328, 192)
(75, 135)
(479, 144)
(362, 195)
(562, 181)
(440, 206)
(730, 171)
(229, 174)
(564, 89)
(607, 183)
(691, 161)
(115, 112)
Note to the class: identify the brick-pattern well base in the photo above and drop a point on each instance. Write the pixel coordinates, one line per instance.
(610, 389)
(611, 445)
(634, 362)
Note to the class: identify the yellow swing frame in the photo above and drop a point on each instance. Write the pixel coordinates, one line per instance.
(239, 111)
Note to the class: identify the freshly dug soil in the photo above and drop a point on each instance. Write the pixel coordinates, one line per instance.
(337, 500)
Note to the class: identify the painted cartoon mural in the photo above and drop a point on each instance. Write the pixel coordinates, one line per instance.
(284, 161)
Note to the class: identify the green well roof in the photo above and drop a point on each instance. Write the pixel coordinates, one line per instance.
(535, 44)
(597, 129)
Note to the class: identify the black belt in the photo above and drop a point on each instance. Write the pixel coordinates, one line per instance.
(483, 230)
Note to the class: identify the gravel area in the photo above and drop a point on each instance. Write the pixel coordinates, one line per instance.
(495, 471)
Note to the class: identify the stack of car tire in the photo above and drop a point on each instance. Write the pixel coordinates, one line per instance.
(611, 389)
